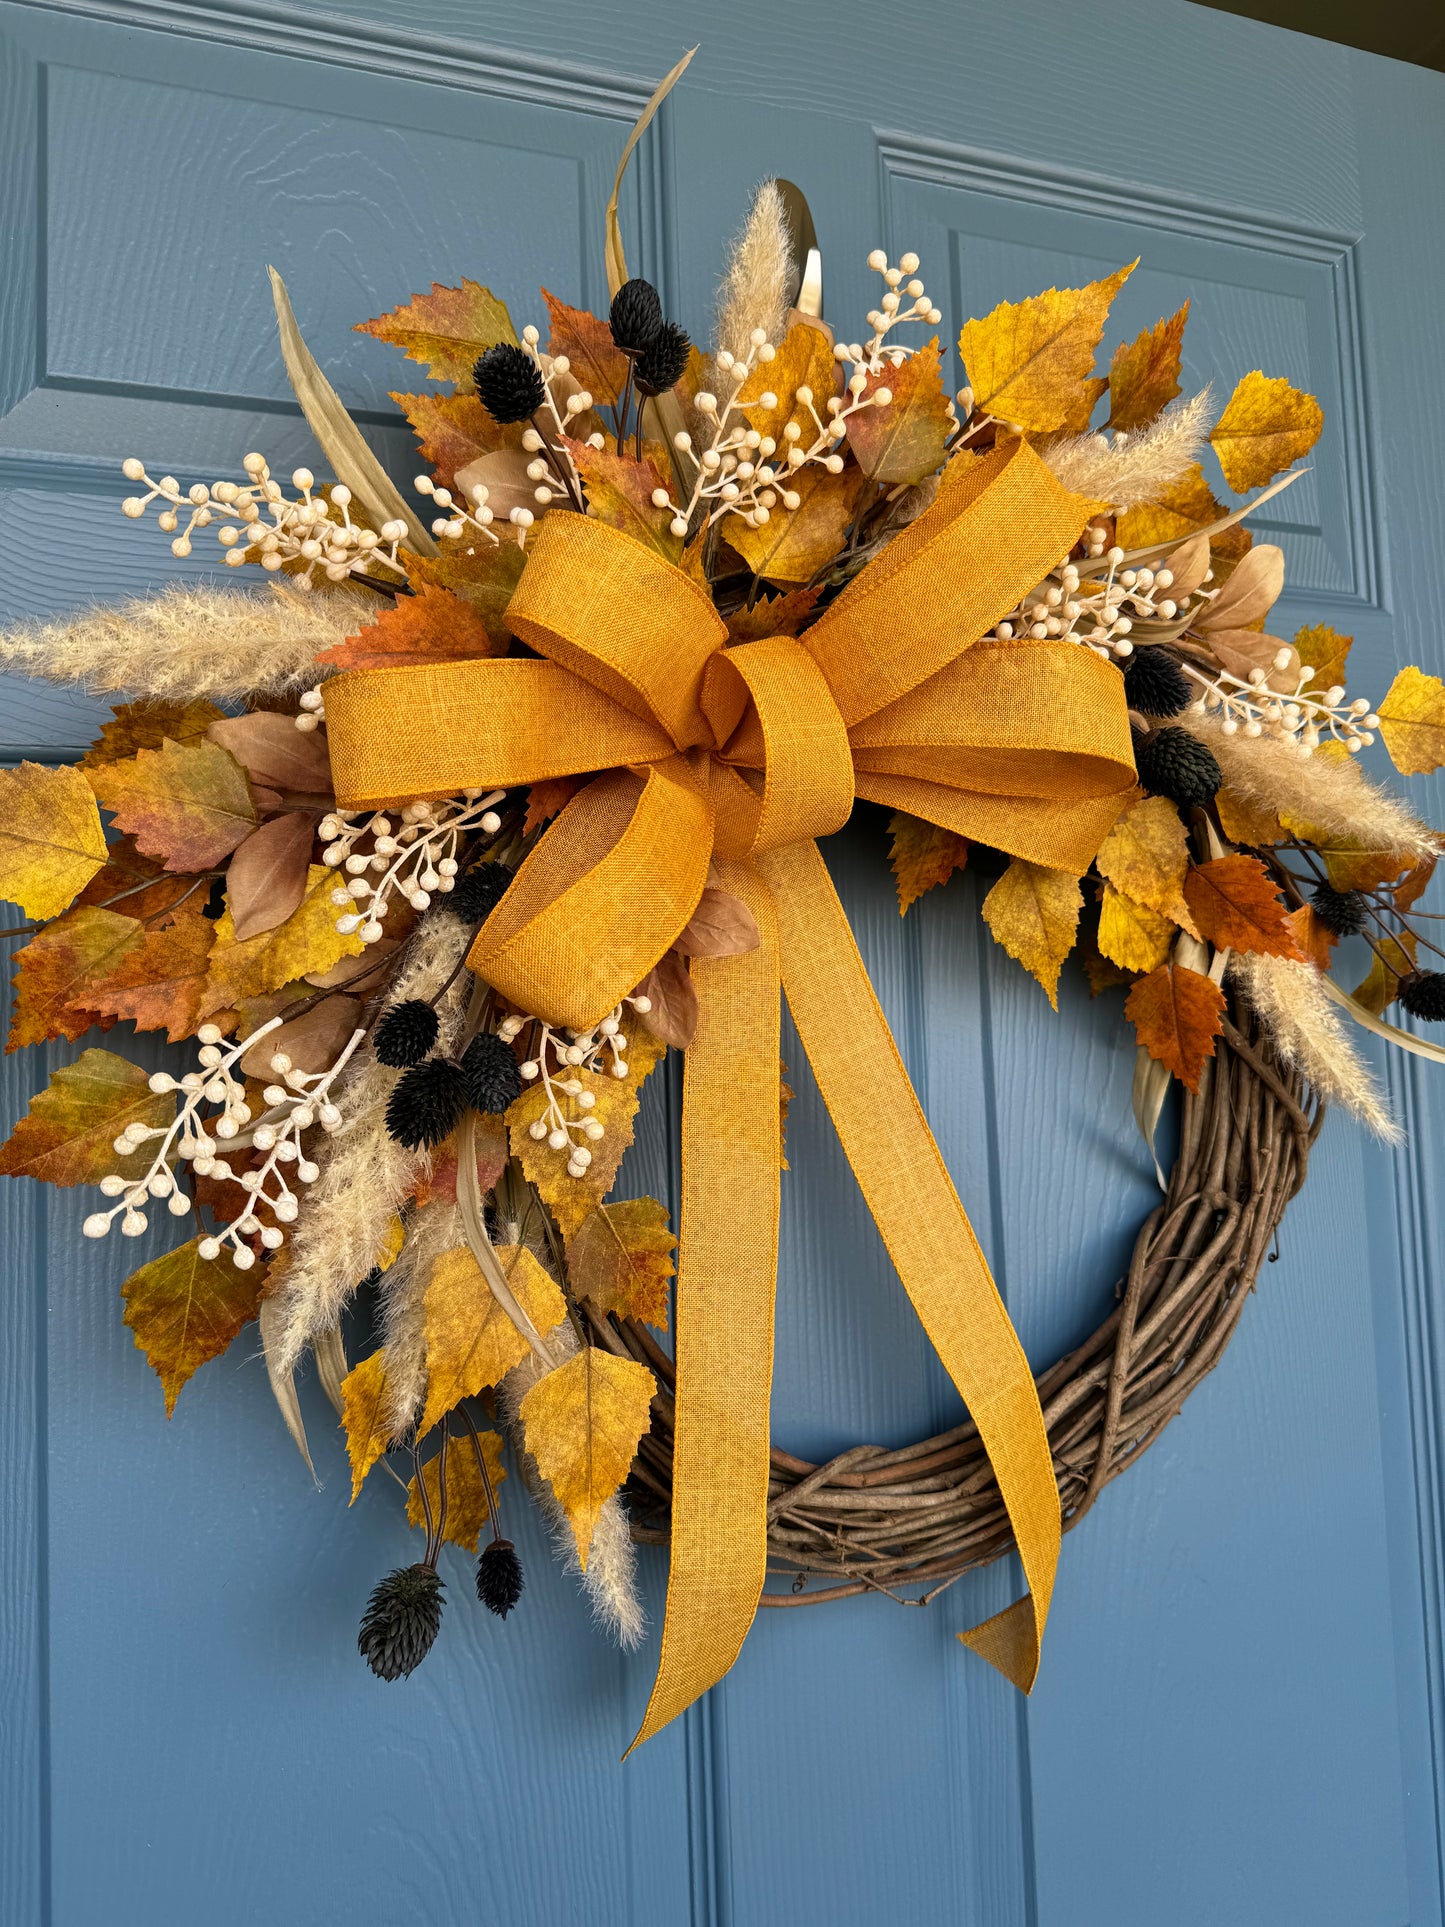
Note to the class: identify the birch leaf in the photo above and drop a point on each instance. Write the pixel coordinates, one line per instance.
(308, 941)
(1412, 722)
(470, 1340)
(467, 1510)
(159, 983)
(1176, 1014)
(51, 841)
(185, 1309)
(1176, 513)
(582, 1423)
(923, 856)
(1267, 426)
(363, 1414)
(1246, 822)
(1395, 958)
(793, 544)
(188, 806)
(1146, 855)
(903, 440)
(446, 330)
(1323, 650)
(1236, 907)
(1131, 936)
(804, 360)
(1034, 913)
(1027, 360)
(621, 1258)
(1145, 374)
(67, 1136)
(146, 725)
(1314, 938)
(57, 972)
(570, 1199)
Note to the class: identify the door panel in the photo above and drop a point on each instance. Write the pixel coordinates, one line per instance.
(1242, 1677)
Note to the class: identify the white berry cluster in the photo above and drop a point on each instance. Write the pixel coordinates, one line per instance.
(316, 530)
(299, 1100)
(413, 855)
(1079, 604)
(556, 1059)
(1253, 707)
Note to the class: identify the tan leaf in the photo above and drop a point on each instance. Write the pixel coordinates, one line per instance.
(1144, 376)
(313, 1041)
(1188, 565)
(621, 1258)
(307, 941)
(1241, 651)
(598, 364)
(1412, 722)
(582, 1424)
(159, 983)
(58, 974)
(266, 878)
(1266, 426)
(1034, 913)
(669, 988)
(922, 855)
(470, 1340)
(446, 330)
(1253, 588)
(721, 926)
(1027, 360)
(363, 1414)
(51, 841)
(1146, 855)
(502, 472)
(432, 626)
(67, 1136)
(467, 1510)
(185, 1309)
(189, 807)
(146, 725)
(1177, 1014)
(1236, 907)
(570, 1199)
(904, 440)
(793, 544)
(1323, 650)
(274, 752)
(804, 360)
(1131, 936)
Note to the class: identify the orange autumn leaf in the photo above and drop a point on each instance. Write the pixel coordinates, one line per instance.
(1177, 1014)
(903, 440)
(188, 806)
(1266, 426)
(432, 626)
(1144, 376)
(597, 363)
(68, 1135)
(445, 330)
(923, 856)
(185, 1309)
(453, 430)
(544, 799)
(1236, 907)
(160, 980)
(51, 840)
(1313, 938)
(61, 969)
(621, 1258)
(482, 574)
(778, 615)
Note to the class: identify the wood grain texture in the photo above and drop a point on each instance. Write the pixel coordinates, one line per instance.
(1241, 1712)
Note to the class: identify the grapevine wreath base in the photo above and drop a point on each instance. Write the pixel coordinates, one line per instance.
(873, 1520)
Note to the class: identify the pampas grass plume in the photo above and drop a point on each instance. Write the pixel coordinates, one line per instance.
(754, 288)
(1308, 1033)
(1129, 470)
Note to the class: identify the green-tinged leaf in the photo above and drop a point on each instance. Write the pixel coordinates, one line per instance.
(51, 841)
(185, 1309)
(446, 330)
(68, 1135)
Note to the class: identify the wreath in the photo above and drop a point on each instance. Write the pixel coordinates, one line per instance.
(434, 846)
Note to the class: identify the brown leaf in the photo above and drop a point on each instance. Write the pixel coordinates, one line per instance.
(1266, 426)
(185, 1309)
(582, 1423)
(721, 926)
(621, 1258)
(266, 878)
(673, 1016)
(363, 1413)
(146, 725)
(1177, 1014)
(546, 798)
(489, 1141)
(125, 868)
(432, 626)
(904, 440)
(1236, 907)
(503, 474)
(467, 1509)
(793, 544)
(189, 807)
(446, 330)
(778, 615)
(68, 1135)
(63, 967)
(51, 841)
(597, 362)
(1144, 376)
(786, 1094)
(274, 752)
(453, 430)
(1103, 974)
(471, 1342)
(922, 855)
(160, 980)
(313, 1042)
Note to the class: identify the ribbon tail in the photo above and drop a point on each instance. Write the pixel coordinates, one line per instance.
(726, 1284)
(928, 1236)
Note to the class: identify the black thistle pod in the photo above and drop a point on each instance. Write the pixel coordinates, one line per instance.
(427, 1104)
(499, 1577)
(509, 383)
(1175, 764)
(1154, 682)
(1423, 995)
(478, 893)
(406, 1033)
(635, 315)
(489, 1071)
(662, 361)
(1342, 911)
(402, 1619)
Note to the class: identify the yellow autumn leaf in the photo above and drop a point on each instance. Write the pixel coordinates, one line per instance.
(1245, 822)
(582, 1424)
(1412, 722)
(308, 941)
(1267, 425)
(389, 1250)
(1322, 652)
(1027, 360)
(51, 841)
(1175, 513)
(185, 1309)
(922, 855)
(569, 1198)
(470, 1340)
(793, 544)
(1130, 935)
(1144, 376)
(1146, 855)
(621, 1258)
(1034, 913)
(804, 360)
(363, 1414)
(467, 1508)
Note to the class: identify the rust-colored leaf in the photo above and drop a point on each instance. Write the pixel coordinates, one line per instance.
(453, 430)
(433, 625)
(185, 1309)
(266, 878)
(597, 362)
(1236, 907)
(1144, 376)
(51, 841)
(669, 988)
(60, 971)
(1313, 939)
(160, 980)
(1177, 1014)
(621, 1258)
(190, 807)
(778, 615)
(619, 493)
(546, 798)
(68, 1135)
(903, 441)
(922, 855)
(484, 575)
(146, 725)
(446, 330)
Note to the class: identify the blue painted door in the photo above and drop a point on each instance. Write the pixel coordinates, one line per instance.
(1244, 1681)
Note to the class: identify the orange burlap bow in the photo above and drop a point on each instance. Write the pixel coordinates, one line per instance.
(739, 757)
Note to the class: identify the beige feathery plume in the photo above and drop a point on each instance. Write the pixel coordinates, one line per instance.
(432, 1231)
(610, 1580)
(192, 641)
(1307, 1032)
(754, 288)
(365, 1174)
(1333, 796)
(1130, 470)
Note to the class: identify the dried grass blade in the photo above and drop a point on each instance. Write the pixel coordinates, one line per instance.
(1392, 1034)
(612, 246)
(283, 1383)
